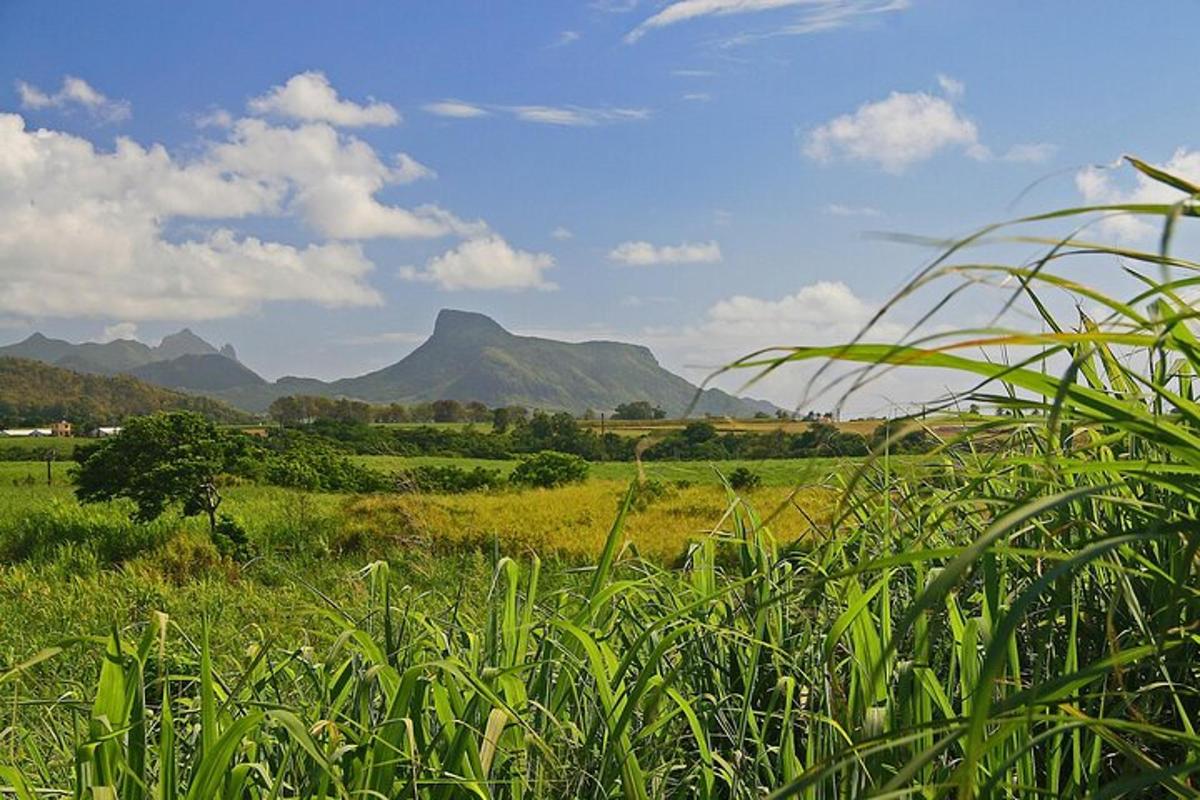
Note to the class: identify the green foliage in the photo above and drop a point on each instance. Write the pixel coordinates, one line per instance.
(449, 479)
(548, 469)
(638, 409)
(158, 461)
(742, 479)
(35, 393)
(231, 539)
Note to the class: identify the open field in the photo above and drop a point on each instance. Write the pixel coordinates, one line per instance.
(774, 472)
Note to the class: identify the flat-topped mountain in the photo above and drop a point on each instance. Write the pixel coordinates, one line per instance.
(471, 357)
(468, 357)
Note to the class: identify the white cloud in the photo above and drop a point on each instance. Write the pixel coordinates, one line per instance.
(568, 116)
(953, 88)
(646, 254)
(813, 15)
(895, 133)
(310, 97)
(120, 330)
(565, 38)
(698, 97)
(561, 233)
(1031, 153)
(576, 116)
(455, 108)
(215, 118)
(485, 263)
(138, 233)
(839, 210)
(1098, 187)
(330, 180)
(693, 73)
(75, 91)
(409, 170)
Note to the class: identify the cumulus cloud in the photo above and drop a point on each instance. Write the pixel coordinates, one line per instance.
(642, 254)
(813, 16)
(330, 180)
(895, 133)
(409, 170)
(567, 116)
(310, 97)
(1100, 187)
(136, 232)
(120, 330)
(456, 109)
(488, 263)
(74, 92)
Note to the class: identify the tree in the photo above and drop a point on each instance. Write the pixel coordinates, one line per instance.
(158, 461)
(476, 411)
(638, 409)
(500, 420)
(447, 411)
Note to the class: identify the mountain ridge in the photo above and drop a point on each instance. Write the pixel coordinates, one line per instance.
(468, 356)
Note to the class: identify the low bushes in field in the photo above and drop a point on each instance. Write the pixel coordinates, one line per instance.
(742, 479)
(549, 469)
(448, 479)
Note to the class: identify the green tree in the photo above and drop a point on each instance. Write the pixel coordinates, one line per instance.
(447, 411)
(158, 461)
(638, 409)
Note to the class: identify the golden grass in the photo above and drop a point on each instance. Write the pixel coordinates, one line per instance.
(570, 521)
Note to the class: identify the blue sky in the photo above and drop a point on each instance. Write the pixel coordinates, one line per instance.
(695, 175)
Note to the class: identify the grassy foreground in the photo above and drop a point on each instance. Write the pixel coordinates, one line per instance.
(1016, 622)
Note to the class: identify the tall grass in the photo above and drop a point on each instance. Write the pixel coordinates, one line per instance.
(1017, 620)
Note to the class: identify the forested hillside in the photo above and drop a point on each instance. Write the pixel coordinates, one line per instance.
(32, 392)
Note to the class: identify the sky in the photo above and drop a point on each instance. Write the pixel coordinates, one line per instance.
(314, 182)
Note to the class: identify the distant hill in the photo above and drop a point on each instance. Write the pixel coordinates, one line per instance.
(468, 357)
(109, 358)
(181, 361)
(31, 391)
(211, 372)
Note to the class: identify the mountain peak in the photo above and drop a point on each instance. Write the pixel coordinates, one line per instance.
(452, 322)
(181, 344)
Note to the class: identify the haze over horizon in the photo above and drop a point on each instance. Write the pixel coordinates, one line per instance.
(316, 188)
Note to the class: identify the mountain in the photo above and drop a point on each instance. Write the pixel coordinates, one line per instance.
(203, 373)
(180, 361)
(471, 357)
(34, 392)
(468, 357)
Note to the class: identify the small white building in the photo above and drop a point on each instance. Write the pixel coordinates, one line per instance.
(103, 432)
(25, 432)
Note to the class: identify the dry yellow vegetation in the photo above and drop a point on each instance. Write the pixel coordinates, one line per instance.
(571, 521)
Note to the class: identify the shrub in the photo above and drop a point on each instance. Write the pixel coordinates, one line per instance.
(742, 479)
(549, 469)
(231, 540)
(449, 479)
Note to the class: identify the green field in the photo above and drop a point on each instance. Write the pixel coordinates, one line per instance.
(774, 472)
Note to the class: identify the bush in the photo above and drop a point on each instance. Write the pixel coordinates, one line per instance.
(549, 469)
(231, 540)
(449, 479)
(742, 479)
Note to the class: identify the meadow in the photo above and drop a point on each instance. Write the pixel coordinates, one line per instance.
(1011, 615)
